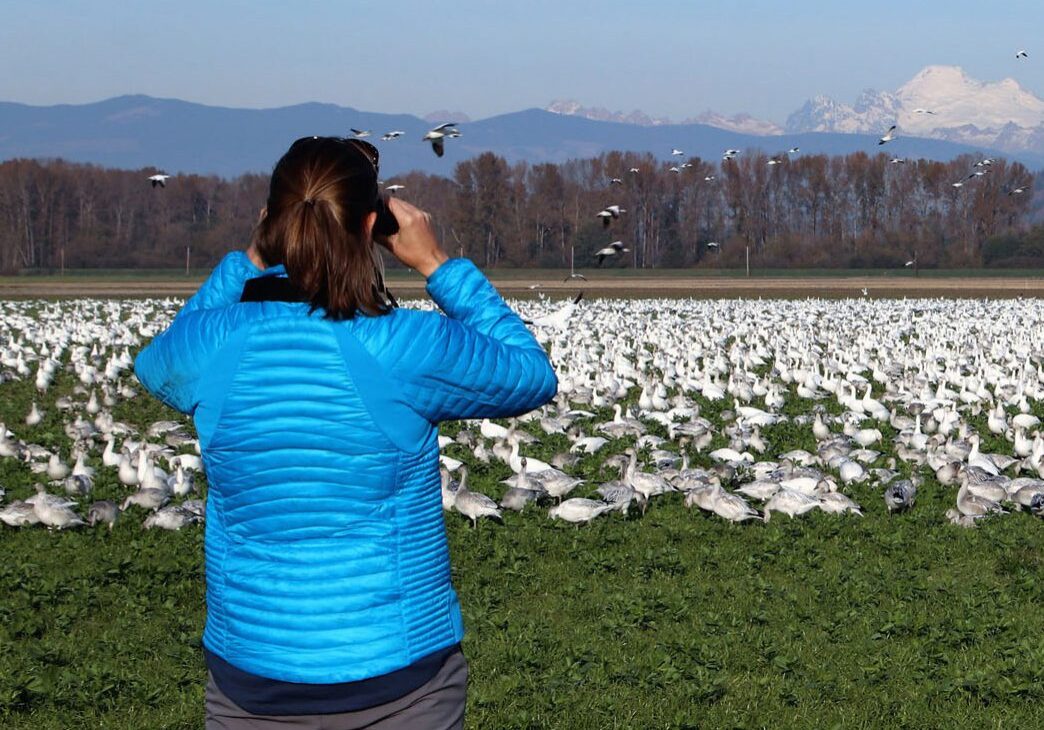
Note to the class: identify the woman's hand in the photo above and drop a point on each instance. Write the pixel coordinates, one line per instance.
(415, 244)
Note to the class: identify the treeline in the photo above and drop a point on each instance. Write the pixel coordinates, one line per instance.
(857, 210)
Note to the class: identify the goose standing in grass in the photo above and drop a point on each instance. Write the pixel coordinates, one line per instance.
(449, 489)
(172, 517)
(554, 482)
(104, 511)
(732, 507)
(148, 499)
(56, 468)
(900, 496)
(534, 466)
(579, 510)
(54, 511)
(835, 502)
(789, 502)
(975, 506)
(19, 513)
(651, 485)
(34, 416)
(474, 505)
(621, 496)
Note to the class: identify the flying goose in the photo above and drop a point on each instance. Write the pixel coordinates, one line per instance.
(438, 135)
(613, 249)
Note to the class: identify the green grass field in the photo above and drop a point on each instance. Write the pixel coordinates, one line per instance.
(671, 620)
(120, 275)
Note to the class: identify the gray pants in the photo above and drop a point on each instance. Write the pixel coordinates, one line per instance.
(437, 705)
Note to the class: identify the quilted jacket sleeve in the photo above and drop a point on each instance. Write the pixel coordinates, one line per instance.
(479, 361)
(224, 285)
(171, 365)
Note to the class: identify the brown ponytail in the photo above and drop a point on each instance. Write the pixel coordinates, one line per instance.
(321, 193)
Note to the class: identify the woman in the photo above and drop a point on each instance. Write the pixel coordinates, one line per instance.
(317, 403)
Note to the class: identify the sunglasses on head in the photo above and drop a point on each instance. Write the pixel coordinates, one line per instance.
(367, 150)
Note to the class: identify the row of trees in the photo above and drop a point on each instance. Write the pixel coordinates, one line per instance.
(804, 210)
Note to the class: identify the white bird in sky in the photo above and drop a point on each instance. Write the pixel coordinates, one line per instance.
(360, 133)
(613, 249)
(710, 178)
(437, 136)
(729, 154)
(1021, 54)
(674, 169)
(609, 213)
(897, 160)
(923, 111)
(615, 181)
(713, 244)
(1017, 191)
(389, 136)
(775, 161)
(889, 135)
(793, 150)
(160, 180)
(676, 152)
(635, 170)
(909, 263)
(394, 188)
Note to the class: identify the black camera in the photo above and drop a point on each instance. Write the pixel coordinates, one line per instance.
(385, 225)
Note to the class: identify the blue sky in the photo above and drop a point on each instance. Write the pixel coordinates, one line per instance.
(666, 58)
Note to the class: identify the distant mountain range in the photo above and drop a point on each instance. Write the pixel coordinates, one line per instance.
(742, 123)
(940, 102)
(178, 136)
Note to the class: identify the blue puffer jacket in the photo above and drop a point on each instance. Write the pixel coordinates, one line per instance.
(326, 555)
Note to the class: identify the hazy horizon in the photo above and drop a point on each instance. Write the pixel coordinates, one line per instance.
(671, 59)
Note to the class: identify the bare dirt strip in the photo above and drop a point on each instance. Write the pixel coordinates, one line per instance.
(645, 287)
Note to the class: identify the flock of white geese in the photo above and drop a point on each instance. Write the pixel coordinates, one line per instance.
(744, 407)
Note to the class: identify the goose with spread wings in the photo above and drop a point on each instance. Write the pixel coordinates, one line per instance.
(438, 135)
(613, 249)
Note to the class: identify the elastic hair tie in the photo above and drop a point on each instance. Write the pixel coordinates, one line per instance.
(310, 202)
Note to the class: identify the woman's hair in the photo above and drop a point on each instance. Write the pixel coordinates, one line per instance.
(321, 192)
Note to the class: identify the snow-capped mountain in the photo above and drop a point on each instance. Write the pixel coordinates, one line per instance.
(940, 102)
(742, 123)
(573, 108)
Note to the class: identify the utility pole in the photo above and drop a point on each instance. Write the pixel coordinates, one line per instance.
(572, 266)
(188, 249)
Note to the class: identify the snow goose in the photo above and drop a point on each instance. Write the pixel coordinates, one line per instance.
(474, 505)
(578, 510)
